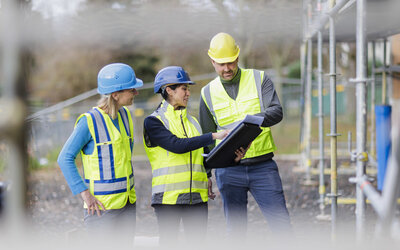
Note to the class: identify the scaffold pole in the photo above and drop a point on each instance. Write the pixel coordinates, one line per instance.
(373, 102)
(322, 190)
(361, 114)
(333, 124)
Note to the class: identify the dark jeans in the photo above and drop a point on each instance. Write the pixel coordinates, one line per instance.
(194, 218)
(264, 183)
(117, 222)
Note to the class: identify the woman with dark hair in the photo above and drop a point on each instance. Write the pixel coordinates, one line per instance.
(174, 145)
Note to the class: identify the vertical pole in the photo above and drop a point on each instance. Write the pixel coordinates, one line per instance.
(361, 111)
(303, 51)
(373, 102)
(322, 190)
(333, 132)
(308, 115)
(303, 54)
(14, 128)
(306, 154)
(389, 76)
(384, 78)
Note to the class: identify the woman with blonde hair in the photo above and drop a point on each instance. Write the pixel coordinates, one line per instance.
(104, 137)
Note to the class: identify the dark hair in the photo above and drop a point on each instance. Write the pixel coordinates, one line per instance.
(164, 93)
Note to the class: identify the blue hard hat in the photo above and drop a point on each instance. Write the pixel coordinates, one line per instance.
(115, 77)
(171, 75)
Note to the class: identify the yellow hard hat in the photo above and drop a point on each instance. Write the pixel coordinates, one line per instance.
(223, 48)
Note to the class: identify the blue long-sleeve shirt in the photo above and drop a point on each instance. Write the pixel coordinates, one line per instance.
(159, 135)
(80, 139)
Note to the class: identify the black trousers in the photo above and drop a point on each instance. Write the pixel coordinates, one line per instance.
(194, 218)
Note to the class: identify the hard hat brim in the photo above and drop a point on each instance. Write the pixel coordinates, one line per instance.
(138, 84)
(170, 84)
(226, 59)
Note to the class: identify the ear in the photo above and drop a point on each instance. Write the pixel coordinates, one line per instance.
(169, 90)
(115, 96)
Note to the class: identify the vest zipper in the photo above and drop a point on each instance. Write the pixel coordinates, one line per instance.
(191, 166)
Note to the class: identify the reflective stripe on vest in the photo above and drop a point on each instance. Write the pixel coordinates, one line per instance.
(115, 186)
(176, 169)
(125, 121)
(177, 186)
(104, 148)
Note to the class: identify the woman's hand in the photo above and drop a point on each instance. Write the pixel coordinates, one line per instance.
(211, 194)
(92, 203)
(220, 135)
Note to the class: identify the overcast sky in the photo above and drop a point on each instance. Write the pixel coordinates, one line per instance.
(56, 8)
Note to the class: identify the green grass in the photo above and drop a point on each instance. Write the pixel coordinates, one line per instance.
(51, 156)
(287, 133)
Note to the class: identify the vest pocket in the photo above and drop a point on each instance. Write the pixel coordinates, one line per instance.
(250, 106)
(224, 114)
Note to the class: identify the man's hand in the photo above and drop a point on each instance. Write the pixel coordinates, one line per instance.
(92, 203)
(211, 194)
(240, 153)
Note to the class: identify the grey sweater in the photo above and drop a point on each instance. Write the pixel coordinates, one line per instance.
(273, 110)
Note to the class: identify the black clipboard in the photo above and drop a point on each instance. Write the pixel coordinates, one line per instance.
(223, 155)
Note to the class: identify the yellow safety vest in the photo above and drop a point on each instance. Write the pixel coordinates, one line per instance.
(108, 171)
(177, 178)
(227, 113)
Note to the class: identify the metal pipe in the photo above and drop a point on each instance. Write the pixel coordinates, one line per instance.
(322, 190)
(373, 103)
(384, 78)
(303, 52)
(308, 115)
(370, 192)
(390, 99)
(361, 113)
(319, 24)
(333, 133)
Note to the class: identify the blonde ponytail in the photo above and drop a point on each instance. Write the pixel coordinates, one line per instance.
(108, 104)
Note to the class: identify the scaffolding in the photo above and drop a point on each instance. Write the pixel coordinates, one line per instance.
(325, 14)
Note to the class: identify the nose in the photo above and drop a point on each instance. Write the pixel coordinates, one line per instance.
(226, 68)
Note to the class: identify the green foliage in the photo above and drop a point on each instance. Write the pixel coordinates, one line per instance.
(143, 64)
(2, 165)
(378, 64)
(294, 70)
(33, 163)
(53, 155)
(51, 160)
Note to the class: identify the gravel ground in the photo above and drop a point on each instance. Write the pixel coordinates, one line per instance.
(55, 211)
